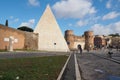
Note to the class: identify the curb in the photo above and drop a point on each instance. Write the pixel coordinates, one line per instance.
(63, 69)
(78, 77)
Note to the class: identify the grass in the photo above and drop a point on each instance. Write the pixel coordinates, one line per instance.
(24, 50)
(3, 51)
(37, 68)
(29, 50)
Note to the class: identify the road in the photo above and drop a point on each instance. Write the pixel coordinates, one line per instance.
(29, 54)
(96, 68)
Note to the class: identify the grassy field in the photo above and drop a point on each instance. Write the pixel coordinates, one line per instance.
(3, 51)
(37, 68)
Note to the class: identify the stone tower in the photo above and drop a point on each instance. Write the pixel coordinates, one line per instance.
(69, 36)
(50, 35)
(89, 40)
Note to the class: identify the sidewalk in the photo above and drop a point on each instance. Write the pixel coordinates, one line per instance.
(70, 70)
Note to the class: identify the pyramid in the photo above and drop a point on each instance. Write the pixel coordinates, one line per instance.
(50, 35)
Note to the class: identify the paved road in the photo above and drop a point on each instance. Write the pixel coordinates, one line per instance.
(29, 54)
(104, 53)
(96, 68)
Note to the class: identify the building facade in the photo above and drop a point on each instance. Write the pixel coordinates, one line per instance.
(100, 41)
(115, 42)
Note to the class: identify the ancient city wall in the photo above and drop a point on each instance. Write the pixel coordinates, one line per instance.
(31, 41)
(79, 40)
(22, 39)
(6, 33)
(73, 41)
(69, 36)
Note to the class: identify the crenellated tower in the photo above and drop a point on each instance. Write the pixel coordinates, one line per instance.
(89, 40)
(69, 36)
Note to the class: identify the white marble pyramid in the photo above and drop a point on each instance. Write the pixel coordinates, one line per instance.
(50, 35)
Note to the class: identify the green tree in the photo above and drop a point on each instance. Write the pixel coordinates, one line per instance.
(6, 23)
(25, 28)
(115, 35)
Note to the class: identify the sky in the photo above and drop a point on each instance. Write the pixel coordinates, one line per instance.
(100, 16)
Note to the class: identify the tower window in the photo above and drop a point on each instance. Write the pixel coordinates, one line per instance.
(54, 43)
(68, 43)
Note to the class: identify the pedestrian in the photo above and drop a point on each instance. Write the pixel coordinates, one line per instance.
(88, 49)
(117, 48)
(110, 54)
(80, 49)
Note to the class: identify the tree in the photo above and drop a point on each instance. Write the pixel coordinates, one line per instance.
(115, 35)
(25, 28)
(6, 23)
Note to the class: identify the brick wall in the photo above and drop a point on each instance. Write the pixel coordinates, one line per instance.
(25, 40)
(31, 41)
(74, 40)
(6, 32)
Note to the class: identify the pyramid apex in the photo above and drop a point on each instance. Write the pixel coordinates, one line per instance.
(48, 6)
(48, 9)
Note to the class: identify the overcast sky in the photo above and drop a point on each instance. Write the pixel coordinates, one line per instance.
(100, 16)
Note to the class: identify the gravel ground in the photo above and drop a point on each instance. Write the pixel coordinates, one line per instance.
(96, 68)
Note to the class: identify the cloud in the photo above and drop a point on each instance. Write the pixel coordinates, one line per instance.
(11, 17)
(88, 21)
(81, 23)
(16, 20)
(111, 15)
(13, 20)
(34, 2)
(73, 8)
(115, 27)
(108, 4)
(99, 29)
(30, 23)
(100, 0)
(70, 24)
